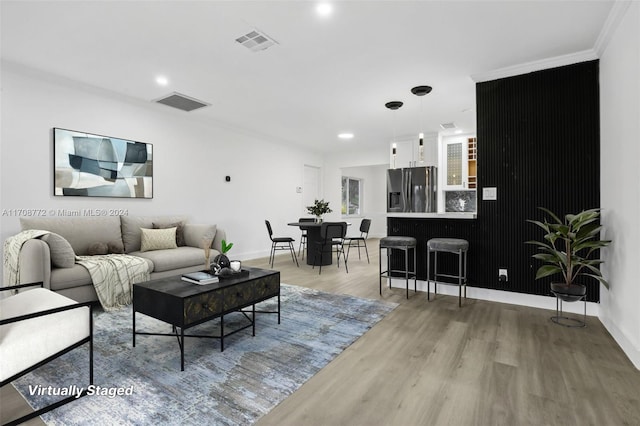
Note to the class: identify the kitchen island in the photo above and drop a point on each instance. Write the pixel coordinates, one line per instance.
(423, 226)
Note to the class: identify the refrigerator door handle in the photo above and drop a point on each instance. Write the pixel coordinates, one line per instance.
(403, 191)
(410, 191)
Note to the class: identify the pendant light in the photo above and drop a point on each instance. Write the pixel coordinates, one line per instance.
(393, 106)
(421, 91)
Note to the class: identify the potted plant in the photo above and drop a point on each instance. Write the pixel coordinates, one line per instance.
(222, 260)
(567, 249)
(319, 208)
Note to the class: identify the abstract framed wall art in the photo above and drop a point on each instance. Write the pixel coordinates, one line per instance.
(90, 165)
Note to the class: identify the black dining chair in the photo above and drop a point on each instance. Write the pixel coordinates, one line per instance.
(303, 237)
(280, 243)
(331, 235)
(360, 241)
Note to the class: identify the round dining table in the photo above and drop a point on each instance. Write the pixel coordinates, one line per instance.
(313, 239)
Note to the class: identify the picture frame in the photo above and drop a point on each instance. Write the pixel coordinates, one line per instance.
(92, 165)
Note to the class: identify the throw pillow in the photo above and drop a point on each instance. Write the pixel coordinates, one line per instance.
(62, 254)
(115, 247)
(179, 230)
(157, 239)
(98, 248)
(194, 234)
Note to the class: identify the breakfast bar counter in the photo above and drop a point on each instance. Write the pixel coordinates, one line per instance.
(424, 226)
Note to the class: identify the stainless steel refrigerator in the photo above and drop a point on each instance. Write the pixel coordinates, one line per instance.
(412, 190)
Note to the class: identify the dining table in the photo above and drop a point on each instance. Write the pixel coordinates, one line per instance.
(313, 239)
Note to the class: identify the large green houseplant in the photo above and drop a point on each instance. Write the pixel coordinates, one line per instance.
(567, 249)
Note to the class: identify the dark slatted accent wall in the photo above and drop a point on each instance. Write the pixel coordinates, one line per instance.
(538, 144)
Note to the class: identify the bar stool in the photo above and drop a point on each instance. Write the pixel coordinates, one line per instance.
(448, 245)
(398, 243)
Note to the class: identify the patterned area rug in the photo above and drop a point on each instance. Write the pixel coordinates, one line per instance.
(233, 387)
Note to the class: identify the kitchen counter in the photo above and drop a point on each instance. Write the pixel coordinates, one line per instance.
(448, 215)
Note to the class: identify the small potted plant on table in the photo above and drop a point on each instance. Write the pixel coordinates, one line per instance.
(319, 208)
(222, 260)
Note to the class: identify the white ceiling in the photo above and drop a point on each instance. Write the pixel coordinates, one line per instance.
(326, 75)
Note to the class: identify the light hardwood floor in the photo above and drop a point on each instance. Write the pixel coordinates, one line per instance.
(431, 363)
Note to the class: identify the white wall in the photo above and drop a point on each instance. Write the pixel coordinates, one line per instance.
(335, 163)
(373, 198)
(620, 196)
(191, 159)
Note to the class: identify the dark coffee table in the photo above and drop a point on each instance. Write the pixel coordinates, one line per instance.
(185, 305)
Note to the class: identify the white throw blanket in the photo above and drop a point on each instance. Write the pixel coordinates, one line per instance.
(113, 276)
(12, 247)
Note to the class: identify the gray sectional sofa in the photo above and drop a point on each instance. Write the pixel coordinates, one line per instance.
(41, 258)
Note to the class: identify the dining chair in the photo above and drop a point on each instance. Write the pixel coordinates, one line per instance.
(280, 243)
(331, 235)
(303, 237)
(360, 241)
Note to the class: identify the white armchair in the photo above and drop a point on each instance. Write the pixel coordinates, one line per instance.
(37, 326)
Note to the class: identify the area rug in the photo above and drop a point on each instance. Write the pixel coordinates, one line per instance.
(234, 387)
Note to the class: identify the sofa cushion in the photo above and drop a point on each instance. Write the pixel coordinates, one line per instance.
(194, 234)
(179, 230)
(181, 257)
(80, 232)
(157, 239)
(25, 343)
(62, 278)
(62, 254)
(65, 278)
(131, 226)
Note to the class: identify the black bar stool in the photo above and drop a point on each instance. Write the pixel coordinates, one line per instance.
(448, 245)
(398, 243)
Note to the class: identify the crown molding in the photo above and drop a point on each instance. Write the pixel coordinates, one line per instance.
(616, 14)
(543, 64)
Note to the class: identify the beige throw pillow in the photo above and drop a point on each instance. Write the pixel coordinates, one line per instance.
(194, 234)
(157, 239)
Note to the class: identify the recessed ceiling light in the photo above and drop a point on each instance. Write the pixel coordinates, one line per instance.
(345, 135)
(457, 132)
(162, 80)
(324, 9)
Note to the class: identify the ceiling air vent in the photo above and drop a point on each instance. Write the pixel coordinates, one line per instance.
(180, 101)
(448, 126)
(256, 41)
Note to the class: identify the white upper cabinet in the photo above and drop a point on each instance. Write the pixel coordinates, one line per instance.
(408, 152)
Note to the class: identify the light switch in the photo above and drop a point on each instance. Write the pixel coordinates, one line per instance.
(489, 194)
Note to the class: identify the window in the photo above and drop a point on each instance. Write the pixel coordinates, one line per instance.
(351, 190)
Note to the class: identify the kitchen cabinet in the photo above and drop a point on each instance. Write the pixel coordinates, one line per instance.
(459, 158)
(472, 158)
(407, 152)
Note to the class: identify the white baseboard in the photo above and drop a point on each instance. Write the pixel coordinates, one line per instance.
(630, 350)
(522, 299)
